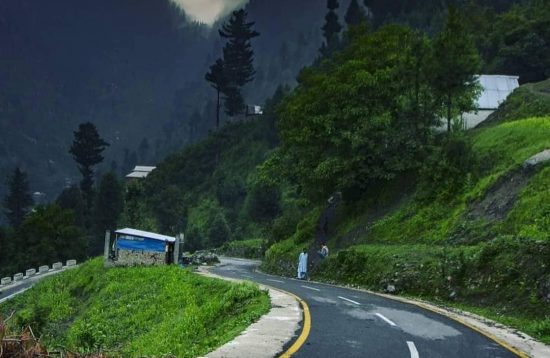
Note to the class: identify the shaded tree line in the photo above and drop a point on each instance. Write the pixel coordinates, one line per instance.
(70, 228)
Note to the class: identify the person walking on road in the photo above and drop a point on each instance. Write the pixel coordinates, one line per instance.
(302, 265)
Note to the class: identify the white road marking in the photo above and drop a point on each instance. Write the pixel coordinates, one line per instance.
(386, 319)
(347, 299)
(311, 288)
(250, 277)
(272, 280)
(412, 349)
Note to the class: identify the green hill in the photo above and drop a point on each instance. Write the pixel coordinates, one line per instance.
(136, 312)
(531, 99)
(486, 246)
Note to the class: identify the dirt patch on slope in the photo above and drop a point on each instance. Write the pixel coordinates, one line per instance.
(500, 198)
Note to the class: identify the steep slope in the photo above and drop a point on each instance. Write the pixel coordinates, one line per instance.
(484, 245)
(135, 311)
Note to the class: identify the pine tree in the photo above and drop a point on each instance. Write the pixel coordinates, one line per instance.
(331, 29)
(18, 201)
(86, 150)
(108, 207)
(218, 81)
(238, 59)
(355, 14)
(456, 63)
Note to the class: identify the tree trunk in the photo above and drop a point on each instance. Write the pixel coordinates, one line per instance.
(449, 104)
(218, 111)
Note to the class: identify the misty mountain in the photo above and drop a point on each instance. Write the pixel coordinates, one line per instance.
(133, 68)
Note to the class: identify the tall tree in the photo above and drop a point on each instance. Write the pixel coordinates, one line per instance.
(331, 29)
(217, 79)
(86, 150)
(18, 201)
(238, 59)
(108, 207)
(355, 14)
(71, 199)
(456, 63)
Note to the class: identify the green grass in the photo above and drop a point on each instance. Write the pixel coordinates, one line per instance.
(135, 312)
(533, 326)
(532, 99)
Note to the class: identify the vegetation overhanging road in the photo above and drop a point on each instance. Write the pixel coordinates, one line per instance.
(351, 323)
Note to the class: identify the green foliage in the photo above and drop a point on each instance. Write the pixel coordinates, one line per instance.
(219, 231)
(263, 201)
(529, 100)
(130, 312)
(362, 117)
(252, 249)
(530, 217)
(86, 151)
(18, 201)
(448, 168)
(136, 214)
(331, 29)
(169, 210)
(456, 62)
(518, 42)
(107, 209)
(71, 199)
(238, 57)
(48, 235)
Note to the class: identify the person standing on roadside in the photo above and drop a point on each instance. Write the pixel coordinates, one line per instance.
(302, 265)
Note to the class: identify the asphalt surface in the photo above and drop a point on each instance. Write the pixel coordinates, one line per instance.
(350, 323)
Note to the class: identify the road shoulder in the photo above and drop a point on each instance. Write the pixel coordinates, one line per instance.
(268, 336)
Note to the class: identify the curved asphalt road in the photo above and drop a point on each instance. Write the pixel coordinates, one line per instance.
(349, 323)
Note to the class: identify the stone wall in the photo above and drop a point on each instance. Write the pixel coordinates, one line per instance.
(137, 258)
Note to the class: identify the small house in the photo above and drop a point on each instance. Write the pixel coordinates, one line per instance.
(131, 247)
(494, 90)
(140, 172)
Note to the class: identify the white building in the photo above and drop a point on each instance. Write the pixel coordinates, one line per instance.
(140, 172)
(495, 90)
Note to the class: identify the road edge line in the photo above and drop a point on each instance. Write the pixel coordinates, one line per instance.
(473, 327)
(435, 310)
(306, 328)
(443, 313)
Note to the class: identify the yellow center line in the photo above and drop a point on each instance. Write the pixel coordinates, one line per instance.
(305, 329)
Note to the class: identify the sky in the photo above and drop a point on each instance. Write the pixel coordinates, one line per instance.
(208, 11)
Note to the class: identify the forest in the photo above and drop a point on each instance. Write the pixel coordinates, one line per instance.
(361, 108)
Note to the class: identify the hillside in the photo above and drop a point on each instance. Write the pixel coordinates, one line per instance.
(484, 245)
(135, 312)
(531, 99)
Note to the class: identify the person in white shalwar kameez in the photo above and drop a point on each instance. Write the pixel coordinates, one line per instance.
(302, 265)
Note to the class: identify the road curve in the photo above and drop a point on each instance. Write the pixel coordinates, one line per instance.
(350, 323)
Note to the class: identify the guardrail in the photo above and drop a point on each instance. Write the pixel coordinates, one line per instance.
(18, 277)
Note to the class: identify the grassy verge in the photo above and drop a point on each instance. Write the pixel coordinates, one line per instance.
(136, 312)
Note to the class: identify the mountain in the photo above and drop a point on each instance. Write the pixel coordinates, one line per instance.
(133, 68)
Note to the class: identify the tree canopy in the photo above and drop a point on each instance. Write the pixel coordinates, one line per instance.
(86, 150)
(18, 201)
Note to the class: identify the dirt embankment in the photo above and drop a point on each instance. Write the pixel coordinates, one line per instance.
(500, 198)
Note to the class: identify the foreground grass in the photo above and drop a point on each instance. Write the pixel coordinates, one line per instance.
(136, 312)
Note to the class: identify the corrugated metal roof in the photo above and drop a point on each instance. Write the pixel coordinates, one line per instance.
(495, 90)
(145, 234)
(142, 168)
(139, 175)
